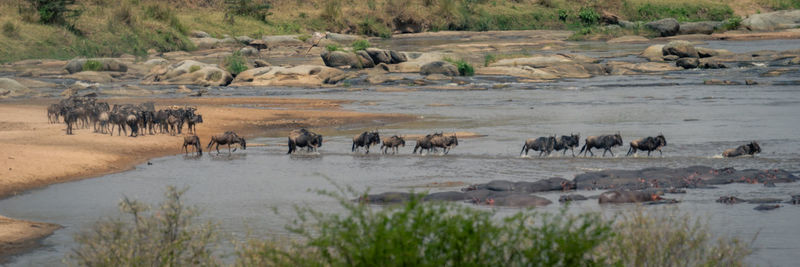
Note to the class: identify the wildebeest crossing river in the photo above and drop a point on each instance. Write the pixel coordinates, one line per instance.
(700, 121)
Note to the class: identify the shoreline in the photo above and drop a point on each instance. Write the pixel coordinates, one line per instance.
(37, 154)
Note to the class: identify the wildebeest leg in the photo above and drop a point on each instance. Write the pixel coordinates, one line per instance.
(229, 148)
(217, 147)
(648, 153)
(630, 151)
(367, 149)
(660, 153)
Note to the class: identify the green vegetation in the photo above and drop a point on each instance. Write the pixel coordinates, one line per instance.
(588, 16)
(413, 233)
(55, 11)
(732, 23)
(489, 59)
(780, 4)
(235, 63)
(361, 45)
(257, 9)
(464, 68)
(167, 237)
(10, 30)
(92, 65)
(194, 68)
(682, 10)
(332, 47)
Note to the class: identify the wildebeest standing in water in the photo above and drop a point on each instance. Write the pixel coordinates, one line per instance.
(565, 142)
(193, 141)
(543, 144)
(648, 144)
(749, 149)
(304, 138)
(606, 142)
(444, 142)
(227, 139)
(394, 143)
(424, 142)
(366, 139)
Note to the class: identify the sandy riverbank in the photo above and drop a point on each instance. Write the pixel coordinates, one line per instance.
(36, 153)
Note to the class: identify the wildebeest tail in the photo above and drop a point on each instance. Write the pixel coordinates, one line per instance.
(523, 148)
(583, 148)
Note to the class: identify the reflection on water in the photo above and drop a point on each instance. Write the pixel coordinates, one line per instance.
(239, 189)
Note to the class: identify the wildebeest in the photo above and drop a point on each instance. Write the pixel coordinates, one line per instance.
(543, 144)
(606, 142)
(565, 142)
(749, 149)
(648, 144)
(133, 122)
(444, 142)
(227, 138)
(394, 143)
(53, 112)
(366, 139)
(424, 142)
(195, 119)
(71, 119)
(304, 138)
(193, 141)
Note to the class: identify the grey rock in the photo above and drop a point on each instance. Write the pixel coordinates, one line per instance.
(772, 21)
(664, 27)
(688, 63)
(700, 27)
(439, 67)
(680, 48)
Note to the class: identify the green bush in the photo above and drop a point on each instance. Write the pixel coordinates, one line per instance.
(92, 65)
(361, 45)
(432, 234)
(10, 29)
(700, 10)
(55, 11)
(464, 68)
(588, 16)
(780, 4)
(167, 237)
(163, 13)
(732, 23)
(332, 47)
(235, 63)
(257, 9)
(489, 59)
(194, 68)
(371, 27)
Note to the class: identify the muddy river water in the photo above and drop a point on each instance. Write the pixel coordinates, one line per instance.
(699, 122)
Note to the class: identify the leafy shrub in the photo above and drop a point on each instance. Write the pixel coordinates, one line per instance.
(55, 11)
(235, 63)
(10, 29)
(732, 23)
(682, 11)
(432, 234)
(332, 47)
(257, 9)
(371, 27)
(563, 15)
(489, 59)
(666, 237)
(464, 68)
(167, 237)
(361, 45)
(588, 16)
(92, 65)
(780, 4)
(194, 68)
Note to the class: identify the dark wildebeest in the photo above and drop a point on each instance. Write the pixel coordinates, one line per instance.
(394, 143)
(749, 149)
(193, 141)
(424, 142)
(565, 142)
(174, 124)
(53, 112)
(444, 142)
(543, 144)
(606, 142)
(648, 144)
(195, 119)
(304, 138)
(133, 122)
(366, 139)
(227, 138)
(71, 119)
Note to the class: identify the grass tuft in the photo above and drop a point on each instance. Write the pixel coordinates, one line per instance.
(361, 45)
(92, 65)
(235, 64)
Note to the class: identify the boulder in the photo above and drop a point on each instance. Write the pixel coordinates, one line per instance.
(703, 52)
(344, 59)
(439, 67)
(248, 51)
(382, 78)
(664, 27)
(671, 58)
(342, 38)
(700, 27)
(720, 82)
(680, 48)
(303, 75)
(91, 76)
(281, 40)
(156, 61)
(794, 61)
(199, 34)
(571, 197)
(366, 60)
(188, 72)
(258, 63)
(627, 24)
(688, 63)
(107, 64)
(608, 17)
(205, 42)
(537, 61)
(127, 90)
(12, 88)
(653, 53)
(379, 55)
(710, 64)
(397, 57)
(772, 21)
(244, 39)
(522, 72)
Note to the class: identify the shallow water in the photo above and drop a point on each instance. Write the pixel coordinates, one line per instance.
(698, 120)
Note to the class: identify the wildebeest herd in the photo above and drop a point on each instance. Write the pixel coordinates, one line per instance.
(143, 118)
(140, 119)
